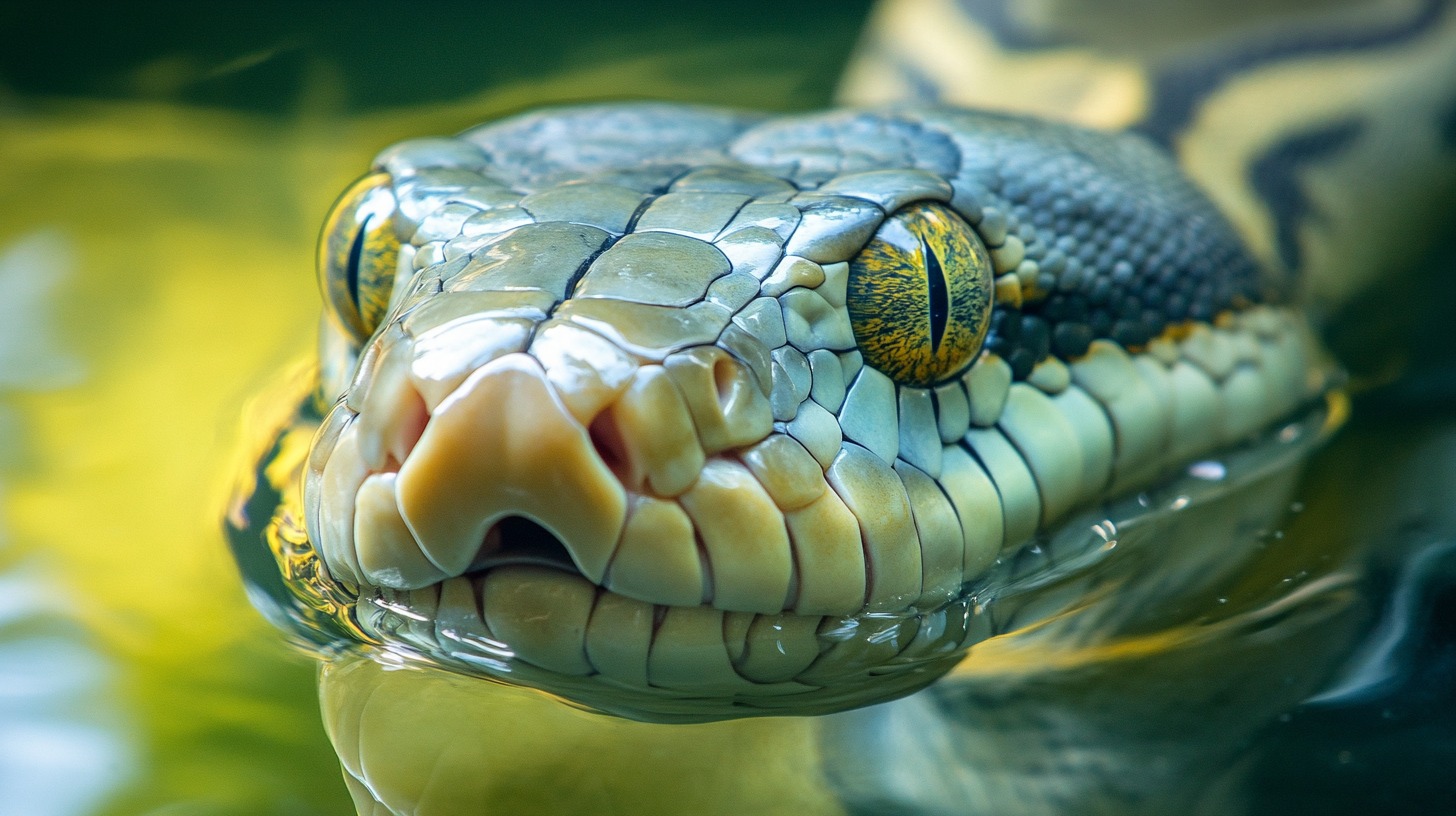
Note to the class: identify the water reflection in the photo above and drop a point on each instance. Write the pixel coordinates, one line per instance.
(427, 742)
(1380, 734)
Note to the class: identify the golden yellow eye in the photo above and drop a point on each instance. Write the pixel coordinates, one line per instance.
(919, 295)
(359, 254)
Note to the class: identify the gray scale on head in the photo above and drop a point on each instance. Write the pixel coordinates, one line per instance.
(644, 146)
(815, 148)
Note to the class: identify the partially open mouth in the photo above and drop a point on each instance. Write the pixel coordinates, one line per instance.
(519, 541)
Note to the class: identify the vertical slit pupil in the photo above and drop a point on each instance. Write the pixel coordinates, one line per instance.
(939, 297)
(356, 257)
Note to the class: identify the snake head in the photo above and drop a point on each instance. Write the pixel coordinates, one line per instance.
(683, 414)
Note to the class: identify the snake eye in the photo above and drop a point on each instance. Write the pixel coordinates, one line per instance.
(919, 295)
(358, 255)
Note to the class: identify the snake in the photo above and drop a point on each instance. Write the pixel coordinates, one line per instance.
(685, 414)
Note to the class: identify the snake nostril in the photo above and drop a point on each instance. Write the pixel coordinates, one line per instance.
(409, 427)
(607, 439)
(725, 378)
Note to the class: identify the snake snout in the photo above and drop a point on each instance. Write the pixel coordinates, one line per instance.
(459, 436)
(656, 478)
(504, 445)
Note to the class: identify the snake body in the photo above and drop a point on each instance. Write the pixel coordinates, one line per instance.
(687, 414)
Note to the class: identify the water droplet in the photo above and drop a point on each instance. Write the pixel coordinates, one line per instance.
(1208, 470)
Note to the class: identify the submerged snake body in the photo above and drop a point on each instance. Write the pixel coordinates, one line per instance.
(629, 427)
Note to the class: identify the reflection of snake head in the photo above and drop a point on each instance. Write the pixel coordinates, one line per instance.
(686, 414)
